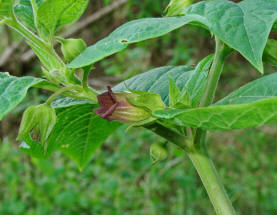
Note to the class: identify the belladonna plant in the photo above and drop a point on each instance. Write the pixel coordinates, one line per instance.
(175, 102)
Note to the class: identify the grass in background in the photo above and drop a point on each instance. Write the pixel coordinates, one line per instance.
(121, 179)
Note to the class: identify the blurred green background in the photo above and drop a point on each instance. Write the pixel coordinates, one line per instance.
(120, 179)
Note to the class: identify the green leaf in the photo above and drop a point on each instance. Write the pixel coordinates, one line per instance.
(274, 27)
(24, 12)
(244, 27)
(6, 8)
(262, 88)
(157, 80)
(270, 53)
(32, 148)
(13, 90)
(251, 105)
(49, 61)
(174, 93)
(131, 32)
(196, 83)
(53, 14)
(79, 132)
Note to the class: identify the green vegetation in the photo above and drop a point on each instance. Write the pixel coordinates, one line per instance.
(121, 180)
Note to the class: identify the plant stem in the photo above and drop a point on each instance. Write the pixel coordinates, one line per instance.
(198, 152)
(211, 181)
(204, 167)
(59, 92)
(214, 74)
(195, 147)
(38, 43)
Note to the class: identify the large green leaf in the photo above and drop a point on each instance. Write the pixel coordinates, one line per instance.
(78, 132)
(157, 80)
(262, 88)
(24, 11)
(53, 14)
(13, 90)
(131, 32)
(252, 105)
(244, 26)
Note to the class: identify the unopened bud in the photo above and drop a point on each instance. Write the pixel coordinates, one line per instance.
(71, 48)
(176, 7)
(157, 152)
(41, 119)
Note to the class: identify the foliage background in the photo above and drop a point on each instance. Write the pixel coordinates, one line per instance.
(120, 178)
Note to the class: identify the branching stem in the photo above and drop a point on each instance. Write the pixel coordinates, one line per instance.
(196, 148)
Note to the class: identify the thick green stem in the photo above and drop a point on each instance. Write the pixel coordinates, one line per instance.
(204, 167)
(211, 181)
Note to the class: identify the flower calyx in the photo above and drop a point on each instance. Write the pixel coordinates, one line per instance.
(128, 107)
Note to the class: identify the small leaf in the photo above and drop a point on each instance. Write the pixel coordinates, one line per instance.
(13, 90)
(270, 53)
(176, 98)
(53, 14)
(25, 12)
(197, 82)
(174, 93)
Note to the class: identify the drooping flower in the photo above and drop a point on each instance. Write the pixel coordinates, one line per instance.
(117, 106)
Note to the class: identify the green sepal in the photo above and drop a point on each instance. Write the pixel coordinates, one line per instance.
(40, 120)
(28, 122)
(148, 100)
(71, 48)
(270, 53)
(47, 120)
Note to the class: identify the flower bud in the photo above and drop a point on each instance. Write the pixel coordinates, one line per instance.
(123, 107)
(176, 7)
(71, 48)
(157, 152)
(40, 119)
